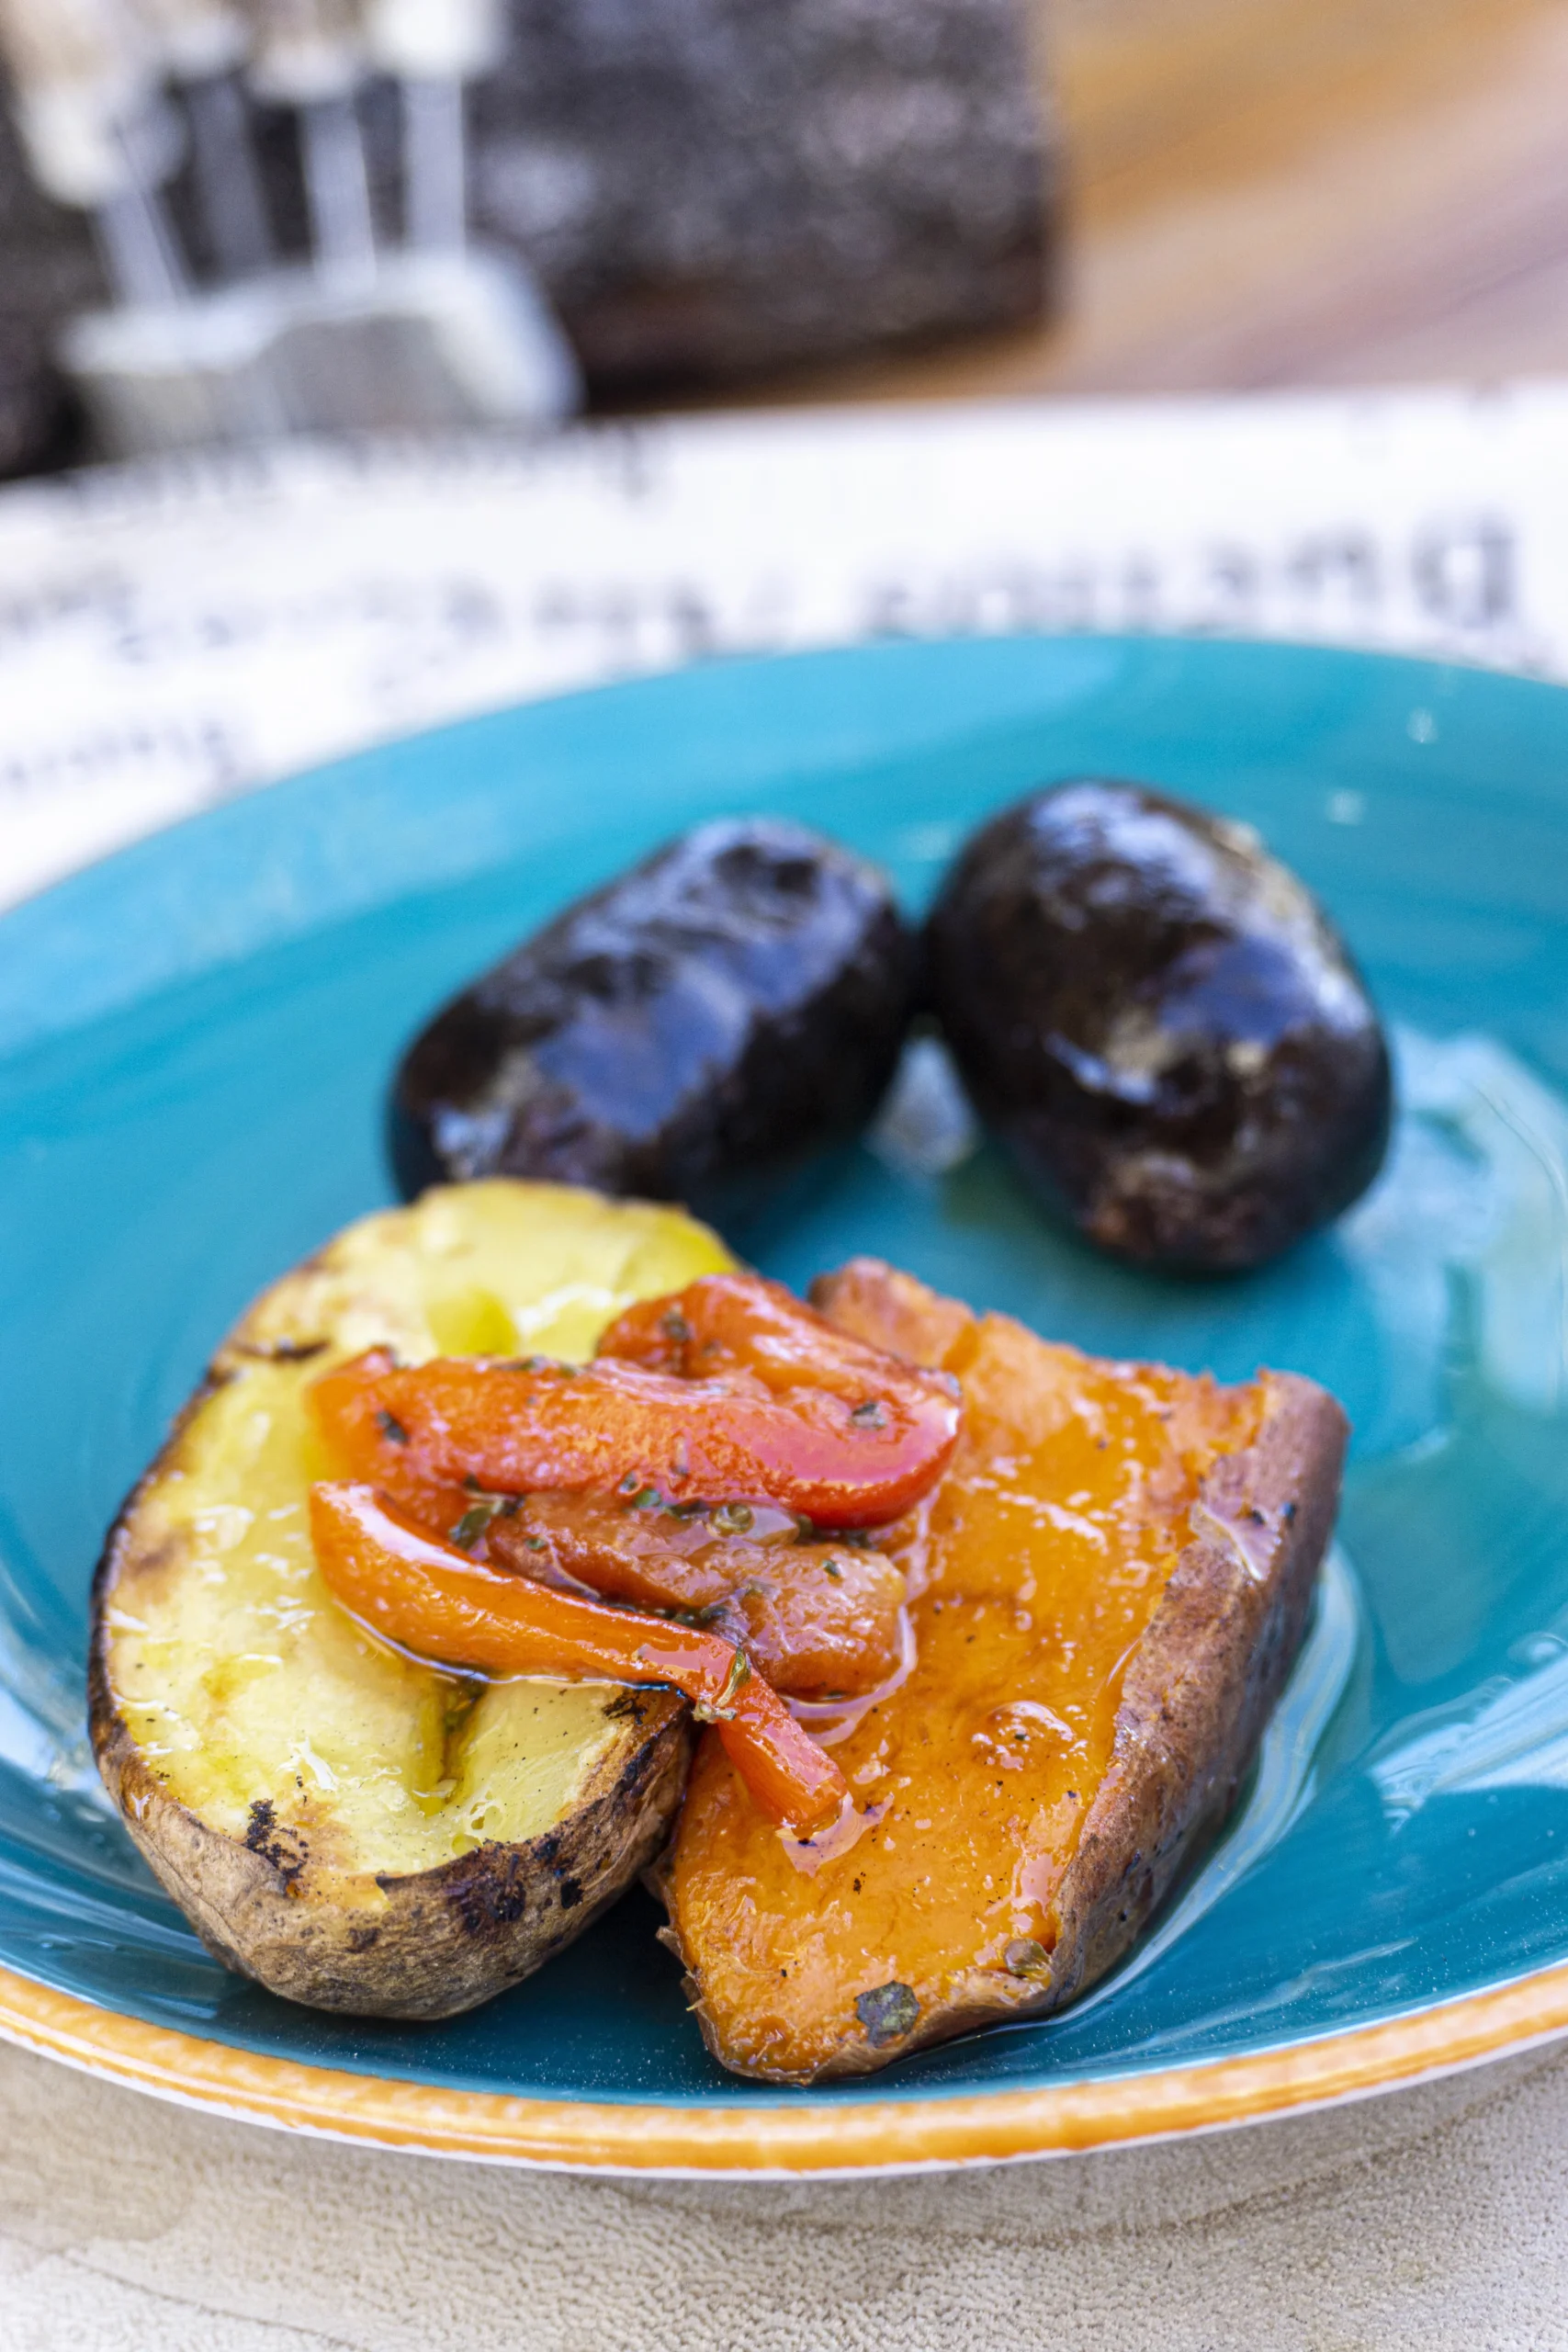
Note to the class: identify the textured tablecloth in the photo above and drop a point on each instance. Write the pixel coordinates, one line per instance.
(1425, 2219)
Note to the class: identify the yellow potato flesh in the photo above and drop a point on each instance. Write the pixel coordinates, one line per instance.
(240, 1679)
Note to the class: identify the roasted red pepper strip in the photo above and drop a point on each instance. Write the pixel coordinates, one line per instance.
(363, 1440)
(814, 1618)
(800, 1415)
(430, 1599)
(743, 1323)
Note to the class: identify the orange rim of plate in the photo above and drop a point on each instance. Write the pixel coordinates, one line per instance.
(871, 2136)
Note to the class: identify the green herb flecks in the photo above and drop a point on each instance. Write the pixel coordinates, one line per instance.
(735, 1681)
(474, 1523)
(722, 1708)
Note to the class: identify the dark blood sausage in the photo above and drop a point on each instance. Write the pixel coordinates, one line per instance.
(1161, 1023)
(701, 1026)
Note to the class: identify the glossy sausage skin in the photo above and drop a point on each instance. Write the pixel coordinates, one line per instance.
(1161, 1023)
(700, 1028)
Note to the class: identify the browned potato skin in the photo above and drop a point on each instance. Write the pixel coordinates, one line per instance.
(443, 1939)
(420, 1945)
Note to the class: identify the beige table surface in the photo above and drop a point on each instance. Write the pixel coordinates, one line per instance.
(1432, 2219)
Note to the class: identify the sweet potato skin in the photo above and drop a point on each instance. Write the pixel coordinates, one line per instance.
(1206, 1678)
(1195, 1696)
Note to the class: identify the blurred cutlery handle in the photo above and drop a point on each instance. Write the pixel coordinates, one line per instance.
(434, 40)
(305, 52)
(98, 133)
(193, 40)
(310, 54)
(202, 43)
(433, 46)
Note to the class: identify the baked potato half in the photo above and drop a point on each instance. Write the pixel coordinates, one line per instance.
(352, 1828)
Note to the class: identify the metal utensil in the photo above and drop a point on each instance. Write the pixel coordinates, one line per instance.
(433, 48)
(201, 44)
(310, 54)
(97, 135)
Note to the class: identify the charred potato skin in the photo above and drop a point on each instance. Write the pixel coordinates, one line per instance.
(1198, 1690)
(1161, 1024)
(746, 989)
(419, 1944)
(421, 1947)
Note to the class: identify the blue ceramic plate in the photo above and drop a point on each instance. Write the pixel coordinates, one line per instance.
(194, 1041)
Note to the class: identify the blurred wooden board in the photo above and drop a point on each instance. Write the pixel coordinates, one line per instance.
(1266, 192)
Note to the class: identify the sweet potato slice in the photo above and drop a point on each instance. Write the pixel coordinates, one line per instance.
(1108, 1590)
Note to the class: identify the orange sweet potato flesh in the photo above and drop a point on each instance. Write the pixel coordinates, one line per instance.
(1035, 1571)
